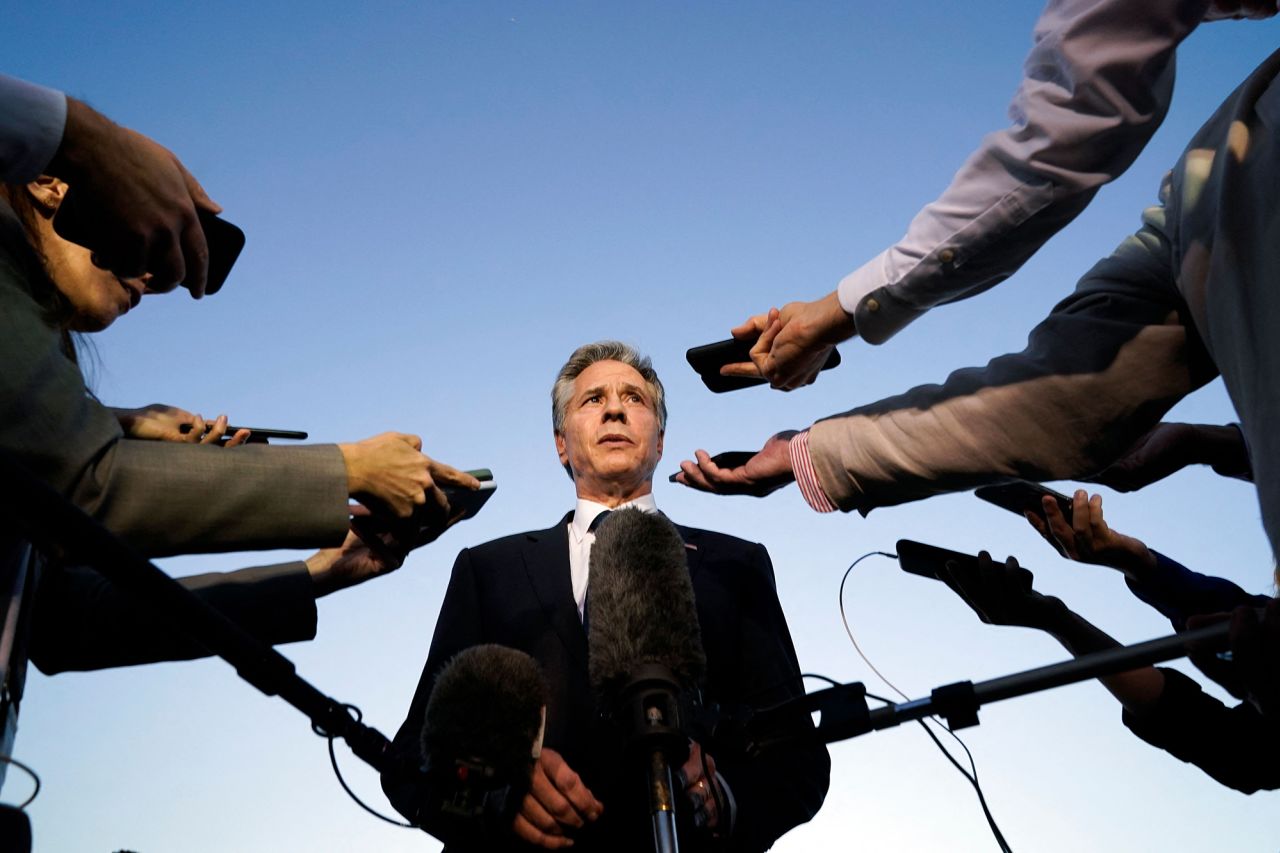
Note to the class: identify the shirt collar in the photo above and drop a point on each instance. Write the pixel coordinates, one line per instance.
(586, 511)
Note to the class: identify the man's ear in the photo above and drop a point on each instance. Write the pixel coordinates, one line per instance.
(47, 192)
(661, 436)
(562, 448)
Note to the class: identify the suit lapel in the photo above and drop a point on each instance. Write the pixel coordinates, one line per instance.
(546, 561)
(692, 551)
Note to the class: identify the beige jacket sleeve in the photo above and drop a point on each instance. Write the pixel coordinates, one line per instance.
(1096, 374)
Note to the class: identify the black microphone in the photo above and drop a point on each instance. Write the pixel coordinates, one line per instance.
(481, 734)
(645, 651)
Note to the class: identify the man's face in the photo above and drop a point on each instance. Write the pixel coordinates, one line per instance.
(611, 439)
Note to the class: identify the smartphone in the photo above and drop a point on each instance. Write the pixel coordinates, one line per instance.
(928, 561)
(257, 435)
(1022, 496)
(728, 459)
(418, 529)
(709, 358)
(224, 240)
(468, 502)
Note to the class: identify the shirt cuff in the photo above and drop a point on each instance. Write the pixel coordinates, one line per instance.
(32, 119)
(806, 477)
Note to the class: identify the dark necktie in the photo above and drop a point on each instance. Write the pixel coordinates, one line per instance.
(586, 598)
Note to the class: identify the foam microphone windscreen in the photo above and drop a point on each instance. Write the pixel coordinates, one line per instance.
(642, 605)
(487, 704)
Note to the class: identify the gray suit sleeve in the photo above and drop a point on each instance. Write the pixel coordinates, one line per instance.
(164, 498)
(82, 621)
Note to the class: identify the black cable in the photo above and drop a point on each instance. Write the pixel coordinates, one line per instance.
(333, 759)
(35, 777)
(972, 777)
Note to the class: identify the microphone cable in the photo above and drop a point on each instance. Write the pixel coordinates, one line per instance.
(35, 778)
(972, 773)
(333, 760)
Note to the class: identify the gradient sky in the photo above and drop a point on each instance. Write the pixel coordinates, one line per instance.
(442, 201)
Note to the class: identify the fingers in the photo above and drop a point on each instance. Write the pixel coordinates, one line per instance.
(195, 257)
(413, 441)
(447, 475)
(216, 430)
(526, 831)
(198, 196)
(161, 255)
(198, 427)
(557, 799)
(741, 368)
(752, 326)
(698, 786)
(570, 788)
(241, 436)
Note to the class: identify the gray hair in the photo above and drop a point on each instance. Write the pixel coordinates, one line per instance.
(587, 355)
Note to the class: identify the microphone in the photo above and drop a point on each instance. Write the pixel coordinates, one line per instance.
(481, 734)
(645, 648)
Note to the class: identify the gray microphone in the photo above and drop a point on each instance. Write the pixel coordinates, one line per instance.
(645, 649)
(481, 734)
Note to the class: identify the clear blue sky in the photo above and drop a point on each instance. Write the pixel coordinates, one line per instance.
(442, 201)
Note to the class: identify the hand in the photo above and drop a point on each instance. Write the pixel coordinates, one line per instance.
(159, 422)
(353, 562)
(1001, 594)
(793, 343)
(136, 202)
(1254, 669)
(389, 472)
(766, 472)
(1170, 447)
(1088, 539)
(557, 803)
(702, 790)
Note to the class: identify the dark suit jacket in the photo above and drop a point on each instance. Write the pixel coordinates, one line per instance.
(516, 592)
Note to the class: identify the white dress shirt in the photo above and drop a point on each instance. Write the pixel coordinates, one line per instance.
(581, 540)
(1096, 86)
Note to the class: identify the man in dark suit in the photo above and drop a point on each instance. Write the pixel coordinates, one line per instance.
(528, 591)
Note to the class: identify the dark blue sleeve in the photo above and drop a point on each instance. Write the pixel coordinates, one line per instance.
(1177, 592)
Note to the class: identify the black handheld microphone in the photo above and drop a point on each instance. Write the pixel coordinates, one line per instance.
(481, 734)
(645, 648)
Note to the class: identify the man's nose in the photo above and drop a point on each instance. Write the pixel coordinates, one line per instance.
(614, 410)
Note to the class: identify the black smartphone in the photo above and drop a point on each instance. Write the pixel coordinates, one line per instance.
(224, 240)
(256, 434)
(419, 529)
(928, 561)
(709, 358)
(469, 501)
(1023, 496)
(728, 459)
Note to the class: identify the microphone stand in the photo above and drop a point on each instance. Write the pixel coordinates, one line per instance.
(649, 710)
(58, 527)
(844, 713)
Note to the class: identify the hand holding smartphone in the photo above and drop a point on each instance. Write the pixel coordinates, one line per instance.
(224, 240)
(425, 525)
(709, 358)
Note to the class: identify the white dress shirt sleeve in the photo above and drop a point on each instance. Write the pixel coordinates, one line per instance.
(1096, 85)
(32, 119)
